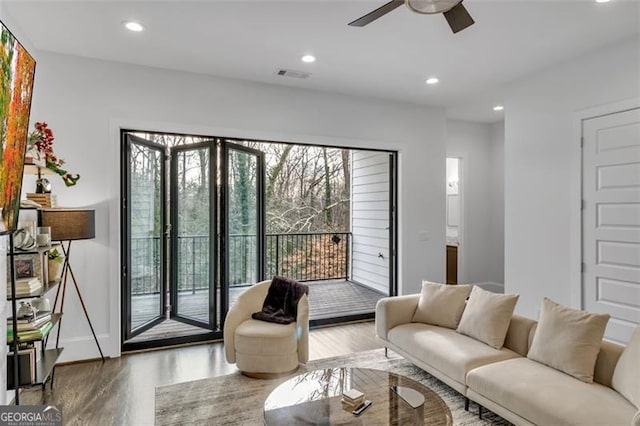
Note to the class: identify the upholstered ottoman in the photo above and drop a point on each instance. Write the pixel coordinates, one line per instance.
(265, 347)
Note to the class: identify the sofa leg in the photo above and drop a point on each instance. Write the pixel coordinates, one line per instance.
(386, 355)
(480, 411)
(466, 404)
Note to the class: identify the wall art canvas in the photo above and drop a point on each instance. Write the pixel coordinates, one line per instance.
(17, 70)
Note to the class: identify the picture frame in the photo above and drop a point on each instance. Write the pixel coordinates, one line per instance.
(28, 263)
(23, 268)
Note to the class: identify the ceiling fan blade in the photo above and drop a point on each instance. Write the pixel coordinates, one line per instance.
(378, 13)
(458, 18)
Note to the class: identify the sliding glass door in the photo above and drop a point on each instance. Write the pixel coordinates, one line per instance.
(243, 189)
(144, 247)
(193, 223)
(193, 226)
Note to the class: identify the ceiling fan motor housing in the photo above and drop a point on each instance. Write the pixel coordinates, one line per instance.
(430, 7)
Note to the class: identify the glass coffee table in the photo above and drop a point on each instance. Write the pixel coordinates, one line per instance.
(314, 398)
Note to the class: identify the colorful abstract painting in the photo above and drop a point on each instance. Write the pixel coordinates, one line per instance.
(16, 85)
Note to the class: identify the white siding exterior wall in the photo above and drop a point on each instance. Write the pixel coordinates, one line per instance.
(370, 219)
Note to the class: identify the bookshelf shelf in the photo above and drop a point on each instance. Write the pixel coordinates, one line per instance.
(40, 292)
(44, 367)
(37, 250)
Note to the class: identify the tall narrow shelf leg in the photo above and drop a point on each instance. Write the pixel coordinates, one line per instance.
(14, 323)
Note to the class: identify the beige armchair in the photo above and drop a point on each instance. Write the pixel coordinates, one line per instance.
(264, 349)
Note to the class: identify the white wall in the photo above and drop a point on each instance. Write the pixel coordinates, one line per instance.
(370, 180)
(479, 237)
(542, 170)
(496, 219)
(86, 101)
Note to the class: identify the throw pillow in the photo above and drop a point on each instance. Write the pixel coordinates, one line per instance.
(487, 316)
(441, 304)
(626, 376)
(568, 339)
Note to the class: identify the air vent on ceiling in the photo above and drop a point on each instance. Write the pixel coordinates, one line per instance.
(292, 73)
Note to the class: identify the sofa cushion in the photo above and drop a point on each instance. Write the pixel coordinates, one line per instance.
(487, 316)
(441, 304)
(626, 376)
(568, 339)
(449, 352)
(545, 396)
(265, 338)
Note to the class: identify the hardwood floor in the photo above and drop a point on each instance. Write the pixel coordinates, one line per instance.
(121, 391)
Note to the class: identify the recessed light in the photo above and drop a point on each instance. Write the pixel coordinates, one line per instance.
(308, 59)
(432, 80)
(133, 26)
(498, 108)
(603, 1)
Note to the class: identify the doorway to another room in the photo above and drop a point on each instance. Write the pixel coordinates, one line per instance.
(454, 227)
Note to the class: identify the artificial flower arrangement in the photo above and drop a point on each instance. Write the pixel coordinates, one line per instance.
(40, 146)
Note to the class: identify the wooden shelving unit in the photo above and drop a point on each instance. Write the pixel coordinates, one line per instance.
(45, 365)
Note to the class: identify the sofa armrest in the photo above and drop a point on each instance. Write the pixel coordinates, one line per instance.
(393, 311)
(517, 338)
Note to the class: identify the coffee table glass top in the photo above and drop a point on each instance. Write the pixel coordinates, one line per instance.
(315, 398)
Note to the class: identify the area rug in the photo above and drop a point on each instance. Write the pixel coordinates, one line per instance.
(237, 400)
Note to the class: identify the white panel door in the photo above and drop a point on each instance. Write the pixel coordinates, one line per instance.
(611, 220)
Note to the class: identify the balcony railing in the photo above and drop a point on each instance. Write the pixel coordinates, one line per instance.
(301, 256)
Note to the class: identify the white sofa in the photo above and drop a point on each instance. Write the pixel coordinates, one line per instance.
(504, 381)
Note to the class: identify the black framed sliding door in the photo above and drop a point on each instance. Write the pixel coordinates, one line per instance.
(243, 232)
(193, 234)
(144, 244)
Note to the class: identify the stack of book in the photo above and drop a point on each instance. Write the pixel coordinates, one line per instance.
(25, 286)
(30, 328)
(351, 399)
(27, 366)
(31, 322)
(45, 200)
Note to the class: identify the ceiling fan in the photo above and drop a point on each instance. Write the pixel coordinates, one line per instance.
(453, 10)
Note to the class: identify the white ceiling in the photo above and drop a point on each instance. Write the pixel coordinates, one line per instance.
(387, 59)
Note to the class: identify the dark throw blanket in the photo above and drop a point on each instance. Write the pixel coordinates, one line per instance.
(281, 304)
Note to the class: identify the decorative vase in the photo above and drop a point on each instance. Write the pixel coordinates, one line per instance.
(55, 269)
(41, 304)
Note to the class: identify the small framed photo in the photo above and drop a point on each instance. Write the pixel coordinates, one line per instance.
(24, 268)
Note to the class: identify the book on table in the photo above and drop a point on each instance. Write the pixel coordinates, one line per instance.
(352, 398)
(27, 367)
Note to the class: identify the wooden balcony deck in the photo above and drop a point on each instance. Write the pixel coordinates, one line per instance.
(327, 299)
